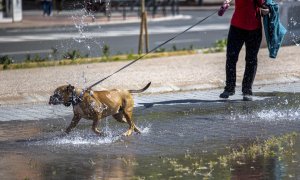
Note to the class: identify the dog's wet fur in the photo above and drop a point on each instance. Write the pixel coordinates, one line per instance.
(96, 105)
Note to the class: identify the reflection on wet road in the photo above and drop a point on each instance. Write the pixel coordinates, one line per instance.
(179, 140)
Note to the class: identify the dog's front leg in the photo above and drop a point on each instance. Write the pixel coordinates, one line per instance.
(94, 127)
(74, 123)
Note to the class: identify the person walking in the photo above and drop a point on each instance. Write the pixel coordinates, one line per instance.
(245, 28)
(47, 7)
(59, 5)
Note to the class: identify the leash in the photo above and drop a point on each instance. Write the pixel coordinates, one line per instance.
(142, 56)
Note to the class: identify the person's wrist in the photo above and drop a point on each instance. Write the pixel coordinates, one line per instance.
(264, 11)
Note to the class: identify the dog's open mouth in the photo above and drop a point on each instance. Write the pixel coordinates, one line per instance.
(55, 100)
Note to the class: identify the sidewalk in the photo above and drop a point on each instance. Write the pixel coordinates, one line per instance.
(168, 74)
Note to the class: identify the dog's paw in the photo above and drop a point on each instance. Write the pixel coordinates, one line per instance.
(127, 133)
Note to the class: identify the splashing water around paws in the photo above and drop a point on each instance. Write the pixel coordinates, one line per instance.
(86, 137)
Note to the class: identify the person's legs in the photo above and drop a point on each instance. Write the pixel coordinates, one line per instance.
(50, 8)
(252, 43)
(44, 4)
(234, 44)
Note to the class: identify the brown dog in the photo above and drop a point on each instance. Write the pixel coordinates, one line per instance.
(95, 105)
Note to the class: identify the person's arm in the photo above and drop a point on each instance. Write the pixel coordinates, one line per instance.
(264, 10)
(224, 7)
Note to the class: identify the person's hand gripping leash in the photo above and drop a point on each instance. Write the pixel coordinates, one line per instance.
(224, 7)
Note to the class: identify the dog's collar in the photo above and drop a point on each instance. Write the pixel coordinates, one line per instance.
(74, 99)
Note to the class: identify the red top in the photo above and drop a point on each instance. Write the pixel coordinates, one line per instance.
(244, 16)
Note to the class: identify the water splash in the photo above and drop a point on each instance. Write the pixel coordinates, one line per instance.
(267, 115)
(295, 38)
(85, 137)
(79, 138)
(293, 21)
(82, 19)
(145, 130)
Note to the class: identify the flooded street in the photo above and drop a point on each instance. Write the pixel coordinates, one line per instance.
(178, 141)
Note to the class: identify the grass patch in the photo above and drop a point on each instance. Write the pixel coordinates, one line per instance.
(272, 147)
(5, 61)
(219, 46)
(75, 58)
(208, 166)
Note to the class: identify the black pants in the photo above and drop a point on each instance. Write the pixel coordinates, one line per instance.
(236, 38)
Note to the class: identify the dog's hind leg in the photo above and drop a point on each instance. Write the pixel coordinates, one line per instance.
(120, 117)
(74, 123)
(137, 130)
(132, 126)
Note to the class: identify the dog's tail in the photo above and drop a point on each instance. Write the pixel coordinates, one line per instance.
(140, 90)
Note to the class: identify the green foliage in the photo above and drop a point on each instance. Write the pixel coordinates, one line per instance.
(6, 61)
(54, 53)
(274, 146)
(37, 61)
(106, 51)
(72, 55)
(36, 58)
(116, 58)
(160, 50)
(174, 48)
(219, 46)
(206, 167)
(131, 56)
(191, 47)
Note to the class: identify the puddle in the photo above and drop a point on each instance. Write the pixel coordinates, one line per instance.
(179, 141)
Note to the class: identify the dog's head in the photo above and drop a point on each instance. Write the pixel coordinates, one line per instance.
(62, 95)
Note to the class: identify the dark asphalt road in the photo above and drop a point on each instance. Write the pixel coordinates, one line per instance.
(121, 38)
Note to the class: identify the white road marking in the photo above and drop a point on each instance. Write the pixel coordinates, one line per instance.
(95, 24)
(114, 33)
(179, 41)
(27, 52)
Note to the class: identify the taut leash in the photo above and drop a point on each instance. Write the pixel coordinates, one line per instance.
(152, 50)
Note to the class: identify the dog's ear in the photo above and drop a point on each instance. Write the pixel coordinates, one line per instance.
(70, 88)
